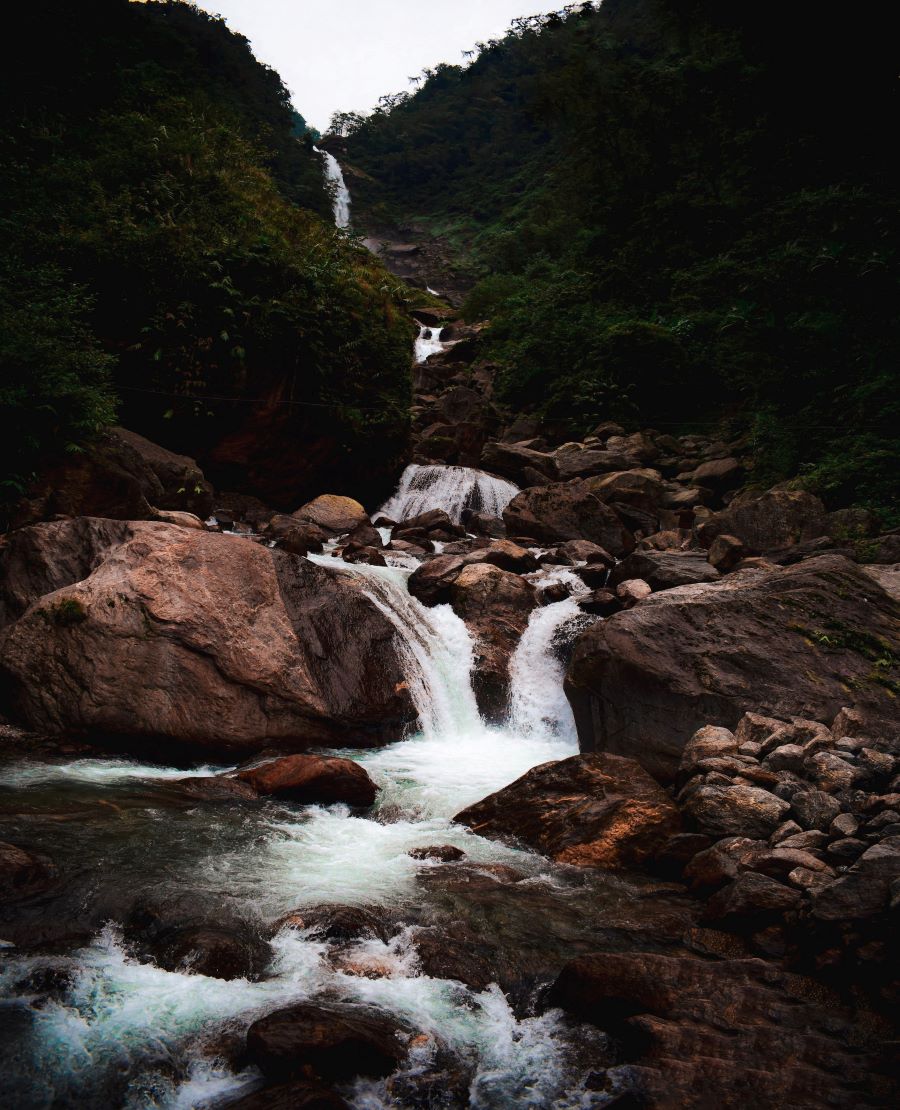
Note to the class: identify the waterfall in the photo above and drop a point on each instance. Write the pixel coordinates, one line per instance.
(451, 488)
(428, 342)
(340, 193)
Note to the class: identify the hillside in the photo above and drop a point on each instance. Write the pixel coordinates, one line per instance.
(680, 214)
(169, 256)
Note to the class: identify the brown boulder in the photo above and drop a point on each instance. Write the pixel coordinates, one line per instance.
(431, 582)
(723, 1033)
(643, 682)
(586, 463)
(663, 570)
(567, 511)
(312, 779)
(337, 1042)
(187, 641)
(773, 520)
(591, 811)
(495, 604)
(511, 461)
(333, 514)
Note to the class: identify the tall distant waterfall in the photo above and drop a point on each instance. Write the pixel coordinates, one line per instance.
(451, 488)
(341, 194)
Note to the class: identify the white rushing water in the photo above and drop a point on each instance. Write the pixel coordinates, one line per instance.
(451, 488)
(340, 193)
(428, 342)
(156, 1027)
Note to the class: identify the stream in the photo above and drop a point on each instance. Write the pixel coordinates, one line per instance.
(89, 1020)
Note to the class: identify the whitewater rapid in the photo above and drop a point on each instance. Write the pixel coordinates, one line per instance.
(125, 1032)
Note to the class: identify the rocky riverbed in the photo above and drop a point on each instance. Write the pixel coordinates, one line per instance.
(568, 777)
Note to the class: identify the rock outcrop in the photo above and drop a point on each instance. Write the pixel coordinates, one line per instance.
(803, 641)
(188, 641)
(597, 811)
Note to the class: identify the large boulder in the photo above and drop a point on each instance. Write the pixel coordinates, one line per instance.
(663, 570)
(589, 810)
(495, 604)
(334, 514)
(587, 462)
(774, 520)
(312, 778)
(567, 511)
(798, 642)
(511, 461)
(191, 641)
(336, 1042)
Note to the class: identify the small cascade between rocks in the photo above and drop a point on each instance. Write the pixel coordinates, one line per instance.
(334, 175)
(428, 342)
(451, 488)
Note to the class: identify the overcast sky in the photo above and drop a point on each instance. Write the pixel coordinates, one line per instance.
(343, 54)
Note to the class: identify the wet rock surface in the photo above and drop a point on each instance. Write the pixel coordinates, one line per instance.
(592, 811)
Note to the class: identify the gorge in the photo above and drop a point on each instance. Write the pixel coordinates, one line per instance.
(392, 714)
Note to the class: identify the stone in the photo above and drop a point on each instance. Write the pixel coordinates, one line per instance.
(587, 463)
(706, 743)
(194, 642)
(830, 772)
(781, 861)
(642, 682)
(721, 1032)
(302, 538)
(508, 556)
(173, 516)
(814, 809)
(846, 850)
(845, 824)
(632, 590)
(642, 489)
(431, 582)
(567, 511)
(809, 839)
(496, 605)
(865, 889)
(210, 950)
(663, 570)
(718, 474)
(600, 603)
(736, 811)
(596, 811)
(722, 862)
(510, 461)
(338, 1042)
(788, 757)
(334, 514)
(751, 896)
(312, 779)
(440, 853)
(336, 922)
(725, 553)
(583, 551)
(785, 830)
(774, 520)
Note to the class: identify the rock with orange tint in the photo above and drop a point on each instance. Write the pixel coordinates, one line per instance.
(598, 810)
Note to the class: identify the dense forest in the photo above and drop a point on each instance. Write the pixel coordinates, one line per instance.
(681, 213)
(169, 257)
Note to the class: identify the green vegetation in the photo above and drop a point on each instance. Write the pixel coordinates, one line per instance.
(683, 214)
(168, 251)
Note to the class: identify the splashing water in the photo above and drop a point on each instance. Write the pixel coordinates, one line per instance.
(339, 191)
(451, 488)
(428, 342)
